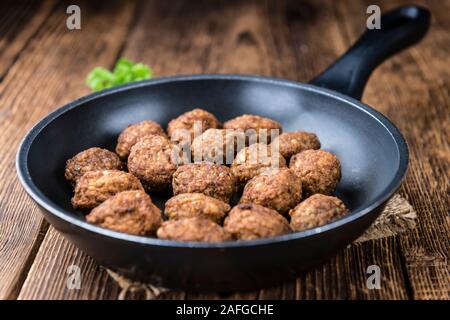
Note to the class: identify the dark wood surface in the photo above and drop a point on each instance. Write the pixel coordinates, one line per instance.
(43, 66)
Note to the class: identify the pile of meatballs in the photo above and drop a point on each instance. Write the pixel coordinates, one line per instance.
(114, 189)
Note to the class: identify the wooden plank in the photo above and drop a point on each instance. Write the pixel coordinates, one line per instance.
(270, 38)
(18, 23)
(345, 277)
(48, 276)
(412, 90)
(48, 73)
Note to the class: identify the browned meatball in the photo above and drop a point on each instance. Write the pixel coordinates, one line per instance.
(316, 211)
(319, 170)
(218, 145)
(94, 187)
(211, 179)
(154, 160)
(254, 159)
(187, 205)
(250, 221)
(290, 143)
(92, 159)
(193, 229)
(133, 133)
(278, 189)
(261, 126)
(131, 212)
(194, 122)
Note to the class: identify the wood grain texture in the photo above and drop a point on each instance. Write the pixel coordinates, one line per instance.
(48, 276)
(294, 40)
(36, 84)
(19, 22)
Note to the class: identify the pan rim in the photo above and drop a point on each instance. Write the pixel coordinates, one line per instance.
(65, 215)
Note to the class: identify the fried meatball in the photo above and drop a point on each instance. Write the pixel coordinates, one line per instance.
(211, 179)
(193, 229)
(131, 212)
(218, 145)
(194, 122)
(133, 133)
(319, 170)
(290, 143)
(187, 205)
(92, 159)
(254, 159)
(249, 221)
(94, 187)
(278, 189)
(316, 211)
(262, 127)
(153, 160)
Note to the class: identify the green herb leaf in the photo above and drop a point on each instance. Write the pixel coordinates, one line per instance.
(125, 71)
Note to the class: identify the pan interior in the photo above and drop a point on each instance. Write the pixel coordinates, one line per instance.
(367, 150)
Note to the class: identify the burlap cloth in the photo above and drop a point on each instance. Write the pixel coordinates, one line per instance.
(398, 216)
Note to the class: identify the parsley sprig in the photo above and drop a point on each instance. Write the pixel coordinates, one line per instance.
(125, 71)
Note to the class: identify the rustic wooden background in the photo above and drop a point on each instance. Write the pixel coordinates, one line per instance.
(43, 66)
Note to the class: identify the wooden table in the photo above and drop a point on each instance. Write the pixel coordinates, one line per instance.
(43, 65)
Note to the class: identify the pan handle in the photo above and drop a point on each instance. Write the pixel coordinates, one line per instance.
(400, 28)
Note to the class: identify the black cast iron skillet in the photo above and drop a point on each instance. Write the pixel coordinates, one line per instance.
(372, 151)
